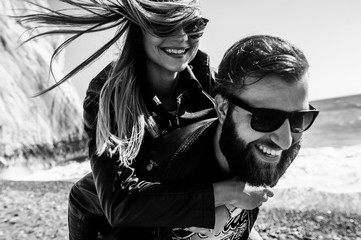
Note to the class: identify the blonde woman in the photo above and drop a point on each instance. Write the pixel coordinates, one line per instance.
(160, 82)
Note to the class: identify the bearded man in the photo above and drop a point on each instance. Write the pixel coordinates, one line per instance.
(263, 109)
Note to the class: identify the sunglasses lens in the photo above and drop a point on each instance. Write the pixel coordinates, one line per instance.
(301, 121)
(267, 120)
(195, 29)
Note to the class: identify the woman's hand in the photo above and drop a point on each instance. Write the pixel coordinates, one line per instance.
(258, 195)
(239, 194)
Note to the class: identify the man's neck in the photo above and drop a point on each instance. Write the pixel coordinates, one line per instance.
(221, 159)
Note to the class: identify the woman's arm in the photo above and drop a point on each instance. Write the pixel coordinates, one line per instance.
(128, 201)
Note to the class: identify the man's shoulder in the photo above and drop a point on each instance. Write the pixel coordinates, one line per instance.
(181, 140)
(175, 154)
(195, 138)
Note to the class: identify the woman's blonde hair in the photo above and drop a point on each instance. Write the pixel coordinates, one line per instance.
(122, 116)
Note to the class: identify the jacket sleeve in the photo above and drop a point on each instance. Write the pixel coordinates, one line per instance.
(127, 200)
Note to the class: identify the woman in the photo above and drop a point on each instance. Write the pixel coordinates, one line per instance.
(153, 87)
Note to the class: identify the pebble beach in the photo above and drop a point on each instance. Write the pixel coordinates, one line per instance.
(318, 198)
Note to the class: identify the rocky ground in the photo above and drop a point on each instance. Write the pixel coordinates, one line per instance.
(38, 210)
(284, 224)
(33, 210)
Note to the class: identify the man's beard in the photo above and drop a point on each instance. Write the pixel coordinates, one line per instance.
(243, 162)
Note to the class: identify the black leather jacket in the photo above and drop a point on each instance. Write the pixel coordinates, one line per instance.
(128, 200)
(190, 160)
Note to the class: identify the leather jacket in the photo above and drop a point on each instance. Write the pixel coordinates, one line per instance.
(190, 161)
(128, 200)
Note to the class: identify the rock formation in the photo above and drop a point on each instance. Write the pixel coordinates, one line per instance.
(41, 129)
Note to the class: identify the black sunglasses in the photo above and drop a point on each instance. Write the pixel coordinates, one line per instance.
(194, 29)
(269, 120)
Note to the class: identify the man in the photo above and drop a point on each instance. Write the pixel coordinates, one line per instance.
(263, 109)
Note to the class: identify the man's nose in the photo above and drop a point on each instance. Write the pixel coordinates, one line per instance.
(283, 135)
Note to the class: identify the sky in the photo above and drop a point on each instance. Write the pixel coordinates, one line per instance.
(328, 31)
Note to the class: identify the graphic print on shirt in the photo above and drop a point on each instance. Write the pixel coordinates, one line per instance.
(230, 228)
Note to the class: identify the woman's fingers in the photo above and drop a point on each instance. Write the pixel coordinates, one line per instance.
(268, 191)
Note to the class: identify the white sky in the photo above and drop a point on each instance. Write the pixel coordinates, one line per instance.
(328, 31)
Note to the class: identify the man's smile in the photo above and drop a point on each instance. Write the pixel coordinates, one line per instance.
(269, 154)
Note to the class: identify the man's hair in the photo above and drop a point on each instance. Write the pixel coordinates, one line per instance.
(258, 56)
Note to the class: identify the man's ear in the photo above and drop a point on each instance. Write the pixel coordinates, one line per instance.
(221, 107)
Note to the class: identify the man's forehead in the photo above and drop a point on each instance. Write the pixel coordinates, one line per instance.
(276, 93)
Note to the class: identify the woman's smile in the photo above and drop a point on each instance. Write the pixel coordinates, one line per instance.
(175, 51)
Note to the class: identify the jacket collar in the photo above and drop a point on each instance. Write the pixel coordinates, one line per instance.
(188, 82)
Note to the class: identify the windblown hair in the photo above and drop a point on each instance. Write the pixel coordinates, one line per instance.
(122, 116)
(258, 56)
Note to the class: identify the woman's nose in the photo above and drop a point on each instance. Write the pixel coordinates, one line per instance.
(181, 34)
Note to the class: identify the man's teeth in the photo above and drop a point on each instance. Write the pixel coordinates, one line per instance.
(268, 151)
(175, 51)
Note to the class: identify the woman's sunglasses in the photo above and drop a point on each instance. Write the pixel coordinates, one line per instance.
(269, 120)
(194, 29)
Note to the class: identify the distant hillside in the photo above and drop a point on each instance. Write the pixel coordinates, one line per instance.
(338, 124)
(46, 128)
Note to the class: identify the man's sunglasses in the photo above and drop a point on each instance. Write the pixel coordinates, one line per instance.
(269, 120)
(194, 29)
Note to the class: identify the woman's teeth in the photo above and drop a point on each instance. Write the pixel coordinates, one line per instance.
(174, 51)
